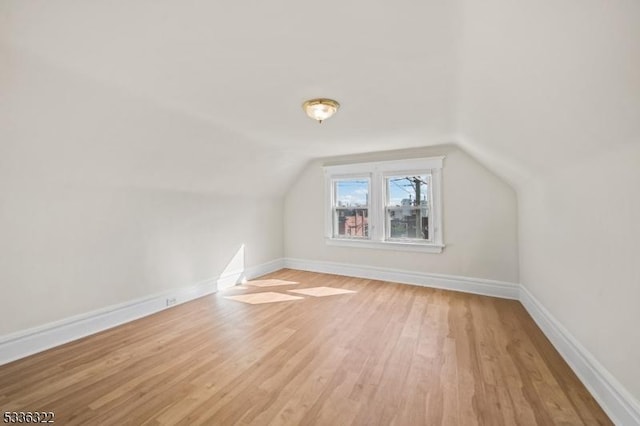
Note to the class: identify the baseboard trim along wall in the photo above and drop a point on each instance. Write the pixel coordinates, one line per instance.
(231, 278)
(504, 290)
(615, 400)
(34, 340)
(28, 342)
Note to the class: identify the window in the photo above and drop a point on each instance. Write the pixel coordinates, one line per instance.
(387, 204)
(407, 207)
(351, 208)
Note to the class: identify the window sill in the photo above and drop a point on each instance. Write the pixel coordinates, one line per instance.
(386, 245)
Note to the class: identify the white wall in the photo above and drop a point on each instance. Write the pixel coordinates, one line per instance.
(480, 228)
(554, 87)
(580, 252)
(544, 84)
(105, 198)
(70, 250)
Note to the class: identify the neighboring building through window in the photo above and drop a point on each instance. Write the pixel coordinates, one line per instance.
(351, 208)
(407, 207)
(386, 204)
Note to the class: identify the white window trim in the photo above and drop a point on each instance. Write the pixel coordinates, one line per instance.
(331, 218)
(376, 172)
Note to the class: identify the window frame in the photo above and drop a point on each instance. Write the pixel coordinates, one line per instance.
(334, 180)
(387, 231)
(377, 173)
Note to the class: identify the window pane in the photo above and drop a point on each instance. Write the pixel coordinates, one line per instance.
(351, 214)
(352, 193)
(408, 207)
(351, 223)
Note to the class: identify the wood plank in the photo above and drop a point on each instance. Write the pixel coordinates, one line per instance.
(386, 354)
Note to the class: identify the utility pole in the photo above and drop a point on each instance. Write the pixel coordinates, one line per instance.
(416, 182)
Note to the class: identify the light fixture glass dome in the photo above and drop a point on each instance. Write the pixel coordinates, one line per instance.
(320, 109)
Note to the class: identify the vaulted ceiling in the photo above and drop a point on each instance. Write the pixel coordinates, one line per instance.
(186, 95)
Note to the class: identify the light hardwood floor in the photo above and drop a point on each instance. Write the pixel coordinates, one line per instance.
(387, 354)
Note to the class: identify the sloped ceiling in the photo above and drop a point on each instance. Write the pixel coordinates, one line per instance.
(189, 95)
(543, 84)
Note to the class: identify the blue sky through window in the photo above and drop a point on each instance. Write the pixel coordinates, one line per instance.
(352, 192)
(403, 188)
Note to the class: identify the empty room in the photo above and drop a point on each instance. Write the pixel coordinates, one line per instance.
(334, 213)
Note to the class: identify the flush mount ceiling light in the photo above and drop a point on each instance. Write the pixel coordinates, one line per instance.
(320, 109)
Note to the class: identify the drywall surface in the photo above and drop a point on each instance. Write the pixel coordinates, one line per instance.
(70, 250)
(543, 84)
(554, 88)
(220, 62)
(580, 246)
(105, 198)
(480, 229)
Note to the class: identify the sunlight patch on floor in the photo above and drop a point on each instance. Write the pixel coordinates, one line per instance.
(322, 291)
(266, 297)
(270, 283)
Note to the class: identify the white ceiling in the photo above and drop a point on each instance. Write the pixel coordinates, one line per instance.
(545, 84)
(250, 65)
(184, 94)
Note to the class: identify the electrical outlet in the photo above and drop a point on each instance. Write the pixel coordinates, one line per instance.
(171, 301)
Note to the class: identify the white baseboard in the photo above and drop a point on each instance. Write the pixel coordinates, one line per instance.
(230, 279)
(37, 339)
(481, 286)
(615, 400)
(262, 269)
(28, 342)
